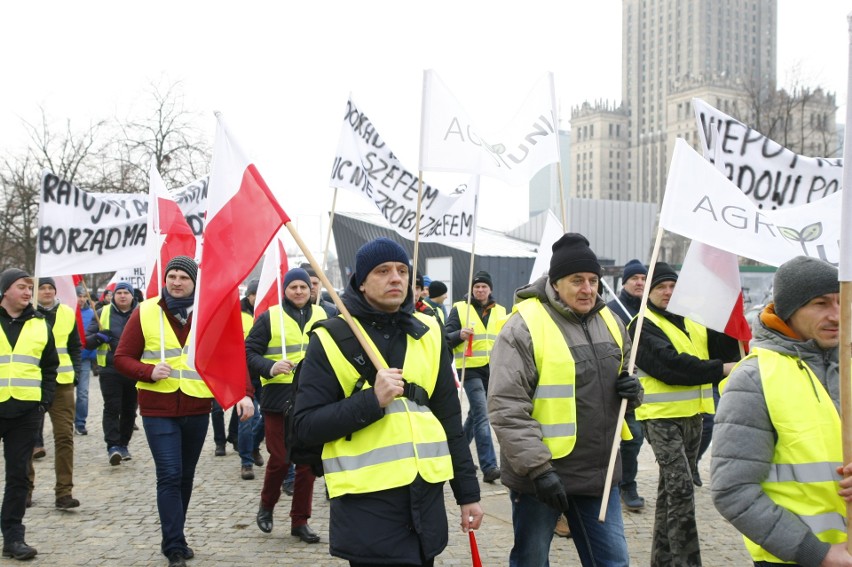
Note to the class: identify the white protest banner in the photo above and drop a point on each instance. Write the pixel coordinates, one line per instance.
(134, 276)
(449, 141)
(553, 231)
(702, 204)
(82, 232)
(365, 165)
(772, 176)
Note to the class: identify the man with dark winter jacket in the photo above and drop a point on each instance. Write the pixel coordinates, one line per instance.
(626, 306)
(28, 364)
(678, 364)
(558, 378)
(481, 322)
(777, 440)
(118, 391)
(391, 442)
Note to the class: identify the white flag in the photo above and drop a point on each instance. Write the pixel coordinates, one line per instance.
(449, 141)
(553, 231)
(845, 268)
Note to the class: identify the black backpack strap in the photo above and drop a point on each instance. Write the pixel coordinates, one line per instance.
(351, 349)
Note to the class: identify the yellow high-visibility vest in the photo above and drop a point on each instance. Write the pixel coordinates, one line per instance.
(182, 376)
(103, 348)
(483, 338)
(62, 327)
(20, 368)
(409, 440)
(296, 339)
(665, 401)
(803, 477)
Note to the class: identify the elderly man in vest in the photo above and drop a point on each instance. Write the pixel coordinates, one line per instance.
(776, 443)
(481, 321)
(275, 345)
(558, 378)
(174, 400)
(63, 321)
(678, 364)
(394, 437)
(28, 365)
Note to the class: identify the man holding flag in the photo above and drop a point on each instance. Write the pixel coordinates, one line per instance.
(173, 399)
(777, 439)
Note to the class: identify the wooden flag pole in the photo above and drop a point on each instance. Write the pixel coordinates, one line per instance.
(327, 241)
(845, 354)
(640, 319)
(562, 196)
(413, 281)
(362, 340)
(469, 285)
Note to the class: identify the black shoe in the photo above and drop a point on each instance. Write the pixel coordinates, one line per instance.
(258, 458)
(632, 501)
(220, 450)
(264, 520)
(188, 553)
(696, 478)
(19, 550)
(306, 534)
(39, 453)
(66, 502)
(176, 559)
(491, 476)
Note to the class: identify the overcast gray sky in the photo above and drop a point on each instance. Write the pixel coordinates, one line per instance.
(281, 72)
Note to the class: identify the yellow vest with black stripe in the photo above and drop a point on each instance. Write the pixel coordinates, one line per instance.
(665, 401)
(483, 338)
(62, 327)
(183, 376)
(20, 370)
(296, 339)
(409, 440)
(103, 348)
(554, 405)
(803, 477)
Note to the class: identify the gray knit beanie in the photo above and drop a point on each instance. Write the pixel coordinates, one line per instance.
(799, 280)
(10, 276)
(183, 263)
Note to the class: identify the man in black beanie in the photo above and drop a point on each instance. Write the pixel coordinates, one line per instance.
(373, 423)
(777, 441)
(27, 336)
(680, 362)
(558, 379)
(480, 321)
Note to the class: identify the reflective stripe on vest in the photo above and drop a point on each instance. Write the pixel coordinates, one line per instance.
(664, 401)
(803, 477)
(483, 338)
(62, 327)
(295, 339)
(103, 348)
(20, 370)
(408, 440)
(554, 405)
(182, 375)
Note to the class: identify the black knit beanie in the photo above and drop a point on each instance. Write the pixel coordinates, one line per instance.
(49, 281)
(377, 252)
(482, 277)
(183, 263)
(799, 280)
(571, 254)
(10, 276)
(663, 273)
(251, 288)
(437, 289)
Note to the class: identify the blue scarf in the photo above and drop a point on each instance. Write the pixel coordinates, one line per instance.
(178, 305)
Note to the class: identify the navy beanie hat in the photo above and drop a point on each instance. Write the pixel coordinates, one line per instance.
(296, 274)
(123, 285)
(377, 252)
(632, 268)
(183, 263)
(799, 280)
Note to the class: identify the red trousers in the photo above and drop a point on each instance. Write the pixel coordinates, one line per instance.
(276, 472)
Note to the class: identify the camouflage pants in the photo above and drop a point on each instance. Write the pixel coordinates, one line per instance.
(675, 442)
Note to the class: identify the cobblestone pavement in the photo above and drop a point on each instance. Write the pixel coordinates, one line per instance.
(117, 522)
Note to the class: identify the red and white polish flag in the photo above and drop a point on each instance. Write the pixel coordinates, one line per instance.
(269, 284)
(242, 218)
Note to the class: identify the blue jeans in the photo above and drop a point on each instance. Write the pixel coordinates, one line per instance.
(630, 453)
(81, 414)
(175, 444)
(477, 426)
(249, 436)
(597, 544)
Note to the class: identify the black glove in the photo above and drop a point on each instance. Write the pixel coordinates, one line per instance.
(627, 385)
(549, 489)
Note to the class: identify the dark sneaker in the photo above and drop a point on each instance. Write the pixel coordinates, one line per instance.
(258, 458)
(67, 502)
(491, 476)
(246, 472)
(220, 450)
(188, 553)
(19, 550)
(632, 501)
(125, 454)
(114, 456)
(39, 453)
(176, 559)
(81, 430)
(696, 478)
